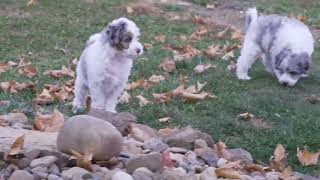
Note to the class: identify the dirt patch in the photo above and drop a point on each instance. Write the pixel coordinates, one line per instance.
(13, 11)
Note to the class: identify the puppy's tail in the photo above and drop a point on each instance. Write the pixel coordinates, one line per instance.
(251, 16)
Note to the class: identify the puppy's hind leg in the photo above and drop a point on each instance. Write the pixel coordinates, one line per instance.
(249, 55)
(81, 92)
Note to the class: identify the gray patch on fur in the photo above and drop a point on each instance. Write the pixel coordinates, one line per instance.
(268, 27)
(299, 64)
(118, 36)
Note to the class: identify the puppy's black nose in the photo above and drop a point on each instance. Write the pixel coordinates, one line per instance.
(285, 83)
(138, 50)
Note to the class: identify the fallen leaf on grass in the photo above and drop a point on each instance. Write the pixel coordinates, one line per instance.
(13, 87)
(28, 70)
(232, 67)
(49, 123)
(200, 68)
(307, 158)
(44, 98)
(221, 150)
(279, 160)
(199, 33)
(156, 78)
(197, 97)
(229, 55)
(129, 10)
(124, 98)
(186, 52)
(255, 168)
(228, 173)
(256, 122)
(195, 88)
(160, 38)
(3, 67)
(302, 18)
(17, 146)
(199, 20)
(287, 174)
(23, 62)
(60, 73)
(143, 101)
(83, 160)
(237, 34)
(147, 45)
(163, 98)
(136, 84)
(164, 120)
(168, 65)
(223, 33)
(32, 2)
(212, 51)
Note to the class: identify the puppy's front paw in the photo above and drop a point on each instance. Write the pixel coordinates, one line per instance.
(243, 77)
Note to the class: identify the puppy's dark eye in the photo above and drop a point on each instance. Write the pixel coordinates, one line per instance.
(293, 73)
(128, 39)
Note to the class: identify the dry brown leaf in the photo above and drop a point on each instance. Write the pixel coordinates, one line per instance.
(195, 88)
(49, 123)
(32, 2)
(3, 67)
(163, 98)
(143, 101)
(185, 52)
(199, 33)
(200, 68)
(17, 146)
(156, 78)
(221, 150)
(232, 67)
(136, 84)
(147, 45)
(178, 91)
(64, 94)
(12, 64)
(279, 161)
(302, 18)
(237, 34)
(196, 97)
(14, 87)
(44, 98)
(210, 6)
(129, 10)
(223, 33)
(160, 38)
(199, 20)
(246, 116)
(168, 65)
(228, 173)
(212, 51)
(254, 167)
(307, 158)
(229, 55)
(29, 71)
(164, 120)
(313, 99)
(124, 98)
(287, 174)
(83, 160)
(23, 62)
(60, 73)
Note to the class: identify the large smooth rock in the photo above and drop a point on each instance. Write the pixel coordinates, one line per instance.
(142, 132)
(151, 161)
(87, 134)
(44, 161)
(144, 174)
(241, 154)
(155, 144)
(14, 118)
(186, 137)
(120, 175)
(70, 173)
(209, 174)
(21, 175)
(120, 120)
(173, 174)
(32, 139)
(208, 155)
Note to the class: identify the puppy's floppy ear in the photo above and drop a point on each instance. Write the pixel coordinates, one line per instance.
(115, 33)
(279, 57)
(304, 63)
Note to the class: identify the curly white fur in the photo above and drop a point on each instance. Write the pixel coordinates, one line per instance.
(285, 44)
(104, 68)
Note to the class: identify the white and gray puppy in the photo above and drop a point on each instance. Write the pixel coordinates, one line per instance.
(105, 65)
(285, 44)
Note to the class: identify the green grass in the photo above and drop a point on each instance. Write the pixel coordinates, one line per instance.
(68, 24)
